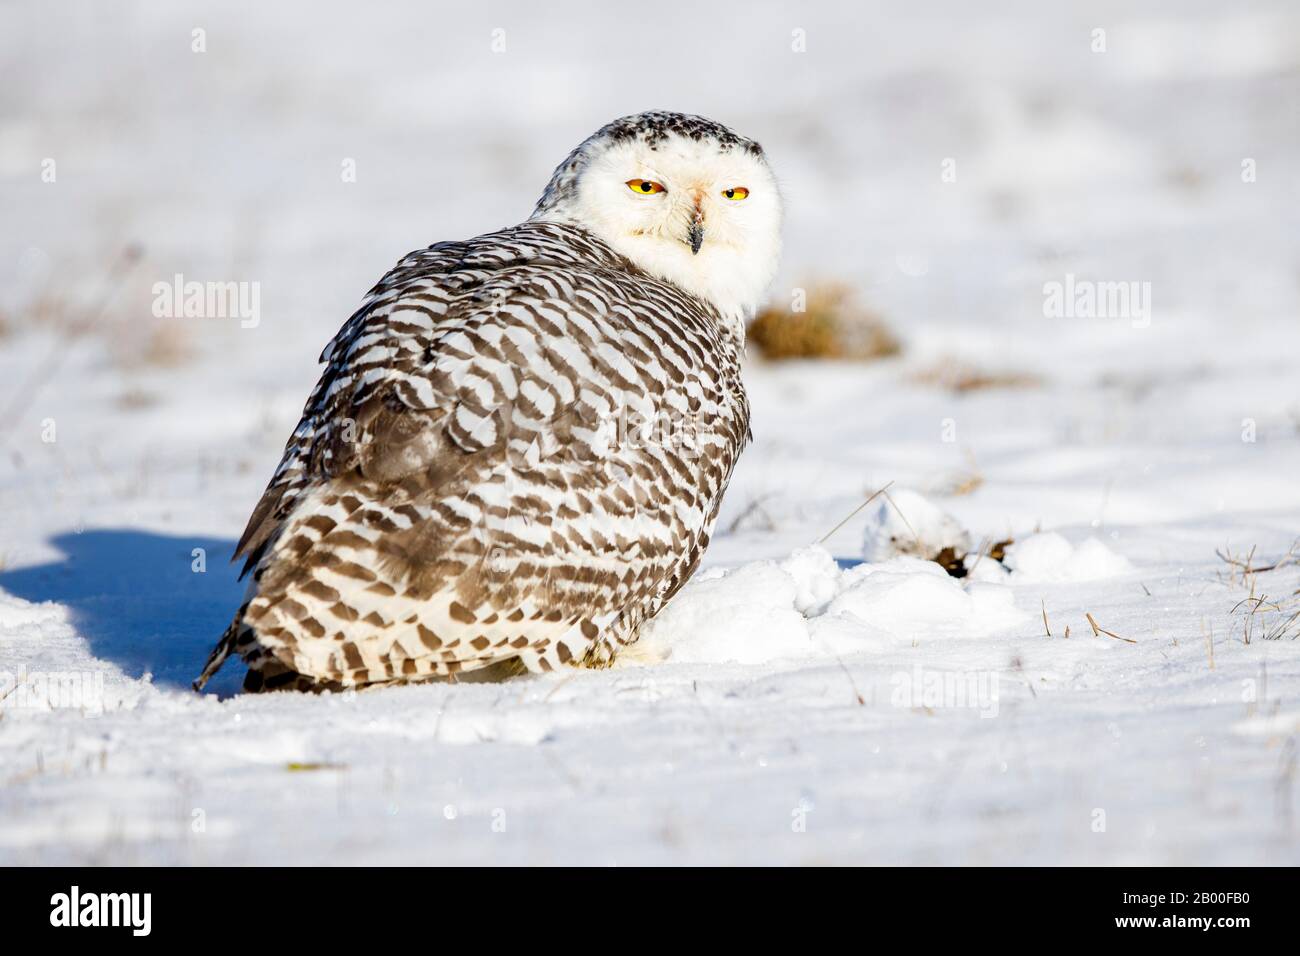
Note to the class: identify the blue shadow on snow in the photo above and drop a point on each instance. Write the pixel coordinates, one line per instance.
(135, 597)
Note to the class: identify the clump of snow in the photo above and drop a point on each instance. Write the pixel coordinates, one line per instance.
(746, 616)
(816, 576)
(1048, 557)
(981, 567)
(901, 600)
(807, 606)
(911, 598)
(906, 522)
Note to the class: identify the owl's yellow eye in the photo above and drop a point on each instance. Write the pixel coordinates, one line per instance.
(735, 193)
(644, 186)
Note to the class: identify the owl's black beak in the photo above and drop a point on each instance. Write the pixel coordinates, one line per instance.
(695, 237)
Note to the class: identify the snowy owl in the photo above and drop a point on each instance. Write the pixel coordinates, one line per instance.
(517, 450)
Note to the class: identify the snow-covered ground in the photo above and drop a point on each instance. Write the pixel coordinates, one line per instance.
(797, 703)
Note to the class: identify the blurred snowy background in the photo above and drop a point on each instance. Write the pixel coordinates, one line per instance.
(943, 160)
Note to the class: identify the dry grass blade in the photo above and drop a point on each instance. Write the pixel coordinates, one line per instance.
(1277, 632)
(1261, 601)
(1097, 630)
(849, 517)
(18, 683)
(852, 683)
(899, 512)
(755, 507)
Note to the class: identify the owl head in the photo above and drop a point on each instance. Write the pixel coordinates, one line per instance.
(682, 197)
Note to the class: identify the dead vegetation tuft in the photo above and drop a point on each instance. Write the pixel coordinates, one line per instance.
(166, 345)
(961, 377)
(833, 325)
(1270, 618)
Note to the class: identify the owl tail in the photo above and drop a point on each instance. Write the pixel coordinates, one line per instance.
(219, 653)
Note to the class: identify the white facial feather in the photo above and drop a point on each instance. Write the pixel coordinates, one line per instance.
(741, 245)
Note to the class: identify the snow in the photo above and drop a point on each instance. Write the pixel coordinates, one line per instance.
(808, 607)
(907, 598)
(818, 693)
(747, 616)
(1050, 557)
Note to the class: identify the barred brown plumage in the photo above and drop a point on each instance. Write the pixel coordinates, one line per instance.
(517, 450)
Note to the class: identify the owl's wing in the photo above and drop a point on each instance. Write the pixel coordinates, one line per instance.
(393, 373)
(464, 463)
(324, 442)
